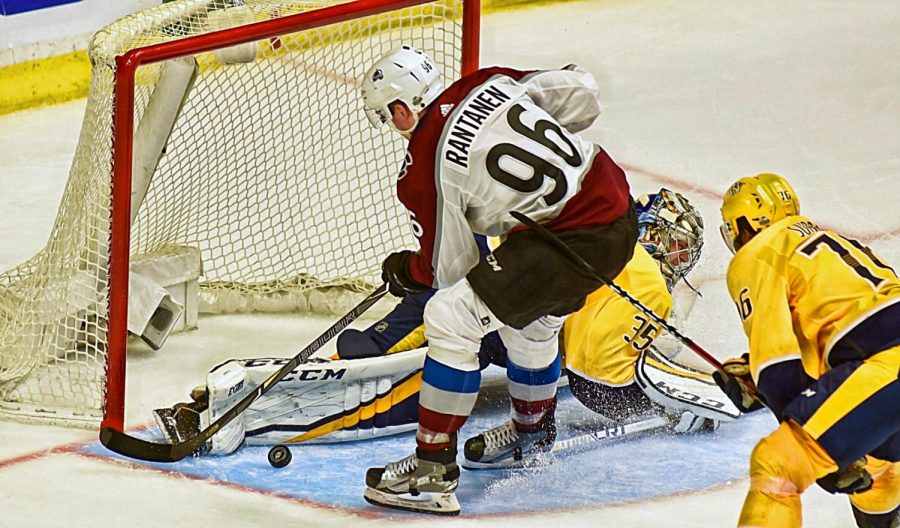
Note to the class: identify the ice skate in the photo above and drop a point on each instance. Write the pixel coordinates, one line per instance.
(416, 484)
(507, 447)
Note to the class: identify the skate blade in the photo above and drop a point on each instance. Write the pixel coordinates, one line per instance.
(433, 503)
(536, 461)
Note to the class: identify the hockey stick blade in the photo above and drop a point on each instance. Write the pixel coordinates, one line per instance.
(132, 447)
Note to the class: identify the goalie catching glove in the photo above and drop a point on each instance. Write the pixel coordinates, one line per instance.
(395, 272)
(736, 382)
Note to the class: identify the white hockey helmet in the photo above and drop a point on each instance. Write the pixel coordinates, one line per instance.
(405, 74)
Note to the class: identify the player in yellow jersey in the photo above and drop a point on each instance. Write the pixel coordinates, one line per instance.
(614, 368)
(371, 388)
(822, 314)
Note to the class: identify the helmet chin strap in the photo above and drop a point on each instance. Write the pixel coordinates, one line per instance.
(407, 134)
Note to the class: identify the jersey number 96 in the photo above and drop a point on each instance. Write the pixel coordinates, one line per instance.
(541, 168)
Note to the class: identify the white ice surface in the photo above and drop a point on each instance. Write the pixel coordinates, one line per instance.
(696, 94)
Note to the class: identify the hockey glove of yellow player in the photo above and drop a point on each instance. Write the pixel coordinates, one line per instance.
(736, 382)
(395, 272)
(850, 480)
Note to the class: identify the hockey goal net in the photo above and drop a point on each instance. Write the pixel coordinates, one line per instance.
(258, 161)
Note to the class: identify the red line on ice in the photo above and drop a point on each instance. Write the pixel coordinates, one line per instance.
(678, 185)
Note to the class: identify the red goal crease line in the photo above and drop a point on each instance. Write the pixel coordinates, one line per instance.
(58, 450)
(77, 449)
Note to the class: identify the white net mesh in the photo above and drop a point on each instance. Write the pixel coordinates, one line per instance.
(271, 171)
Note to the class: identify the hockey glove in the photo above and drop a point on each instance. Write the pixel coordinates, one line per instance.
(736, 382)
(395, 272)
(854, 479)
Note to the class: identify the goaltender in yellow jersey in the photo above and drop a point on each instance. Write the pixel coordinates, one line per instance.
(822, 314)
(604, 339)
(614, 368)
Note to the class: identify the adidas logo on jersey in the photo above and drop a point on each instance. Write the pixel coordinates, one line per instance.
(446, 108)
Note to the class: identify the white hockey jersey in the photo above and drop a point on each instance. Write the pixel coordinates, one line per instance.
(502, 140)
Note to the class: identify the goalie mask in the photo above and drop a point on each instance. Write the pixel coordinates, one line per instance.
(671, 230)
(754, 203)
(406, 75)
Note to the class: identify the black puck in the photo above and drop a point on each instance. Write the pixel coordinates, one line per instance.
(279, 456)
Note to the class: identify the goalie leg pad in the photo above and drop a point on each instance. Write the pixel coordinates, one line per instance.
(330, 401)
(680, 388)
(226, 385)
(335, 401)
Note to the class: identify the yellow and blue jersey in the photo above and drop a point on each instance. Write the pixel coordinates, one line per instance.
(821, 313)
(811, 295)
(603, 340)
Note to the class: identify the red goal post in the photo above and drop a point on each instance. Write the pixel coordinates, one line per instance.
(127, 65)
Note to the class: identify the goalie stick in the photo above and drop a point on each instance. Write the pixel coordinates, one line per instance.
(133, 447)
(574, 257)
(607, 435)
(612, 432)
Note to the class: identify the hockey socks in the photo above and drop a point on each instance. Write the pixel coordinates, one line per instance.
(532, 394)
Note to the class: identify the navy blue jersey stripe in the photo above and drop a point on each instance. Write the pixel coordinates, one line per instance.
(877, 332)
(865, 428)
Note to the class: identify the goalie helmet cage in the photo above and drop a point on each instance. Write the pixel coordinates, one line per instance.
(267, 168)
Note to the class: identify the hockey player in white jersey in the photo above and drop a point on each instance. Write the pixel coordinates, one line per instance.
(498, 140)
(617, 364)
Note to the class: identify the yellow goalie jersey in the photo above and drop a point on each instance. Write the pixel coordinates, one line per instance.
(603, 340)
(807, 293)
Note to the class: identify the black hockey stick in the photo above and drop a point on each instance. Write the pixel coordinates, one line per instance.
(132, 447)
(574, 257)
